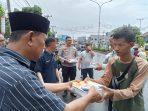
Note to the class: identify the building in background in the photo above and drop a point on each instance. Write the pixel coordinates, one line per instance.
(81, 40)
(94, 40)
(145, 37)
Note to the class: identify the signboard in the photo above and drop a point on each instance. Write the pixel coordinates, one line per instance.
(62, 37)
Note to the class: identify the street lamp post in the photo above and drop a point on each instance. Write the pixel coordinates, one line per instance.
(140, 21)
(100, 7)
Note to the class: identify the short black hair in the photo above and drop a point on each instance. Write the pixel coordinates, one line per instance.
(67, 37)
(49, 40)
(87, 44)
(124, 32)
(16, 35)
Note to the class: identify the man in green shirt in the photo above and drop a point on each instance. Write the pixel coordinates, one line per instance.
(125, 75)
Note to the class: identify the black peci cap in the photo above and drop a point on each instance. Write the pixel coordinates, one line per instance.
(28, 21)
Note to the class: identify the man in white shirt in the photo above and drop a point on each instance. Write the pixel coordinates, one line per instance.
(85, 62)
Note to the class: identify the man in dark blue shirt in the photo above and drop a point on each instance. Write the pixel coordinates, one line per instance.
(20, 89)
(47, 66)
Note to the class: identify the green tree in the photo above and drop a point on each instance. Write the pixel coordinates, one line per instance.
(2, 12)
(35, 9)
(7, 33)
(16, 10)
(139, 40)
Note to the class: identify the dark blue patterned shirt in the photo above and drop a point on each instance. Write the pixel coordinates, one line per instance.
(20, 89)
(47, 66)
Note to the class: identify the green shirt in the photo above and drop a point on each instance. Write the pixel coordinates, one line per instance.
(133, 104)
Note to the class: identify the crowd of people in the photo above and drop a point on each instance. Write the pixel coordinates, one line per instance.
(30, 75)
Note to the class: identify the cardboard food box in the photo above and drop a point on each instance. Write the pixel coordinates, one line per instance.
(81, 88)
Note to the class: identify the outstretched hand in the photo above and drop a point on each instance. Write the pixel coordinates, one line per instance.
(99, 67)
(95, 96)
(107, 92)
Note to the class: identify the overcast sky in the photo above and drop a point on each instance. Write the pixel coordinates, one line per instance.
(80, 17)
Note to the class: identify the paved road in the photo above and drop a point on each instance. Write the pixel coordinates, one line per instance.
(97, 74)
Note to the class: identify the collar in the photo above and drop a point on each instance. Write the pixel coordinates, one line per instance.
(49, 53)
(23, 60)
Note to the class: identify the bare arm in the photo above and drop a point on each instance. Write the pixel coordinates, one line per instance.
(81, 103)
(79, 62)
(40, 77)
(54, 87)
(58, 75)
(57, 87)
(106, 78)
(92, 53)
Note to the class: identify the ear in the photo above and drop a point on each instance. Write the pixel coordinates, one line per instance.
(30, 37)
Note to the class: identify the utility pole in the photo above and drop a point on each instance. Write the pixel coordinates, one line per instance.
(8, 6)
(9, 9)
(140, 21)
(100, 9)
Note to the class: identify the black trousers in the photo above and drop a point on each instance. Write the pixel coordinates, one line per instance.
(86, 71)
(68, 73)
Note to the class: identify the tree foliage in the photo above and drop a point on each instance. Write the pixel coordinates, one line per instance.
(139, 40)
(2, 12)
(16, 10)
(7, 33)
(35, 9)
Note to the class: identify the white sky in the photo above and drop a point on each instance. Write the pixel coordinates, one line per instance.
(80, 17)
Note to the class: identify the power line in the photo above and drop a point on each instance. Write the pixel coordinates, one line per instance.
(46, 7)
(24, 3)
(73, 30)
(31, 2)
(38, 3)
(17, 4)
(140, 21)
(20, 3)
(27, 3)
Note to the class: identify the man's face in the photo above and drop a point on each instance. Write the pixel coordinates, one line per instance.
(69, 41)
(52, 46)
(38, 45)
(122, 47)
(88, 48)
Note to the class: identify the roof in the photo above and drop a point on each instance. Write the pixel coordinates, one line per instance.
(145, 34)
